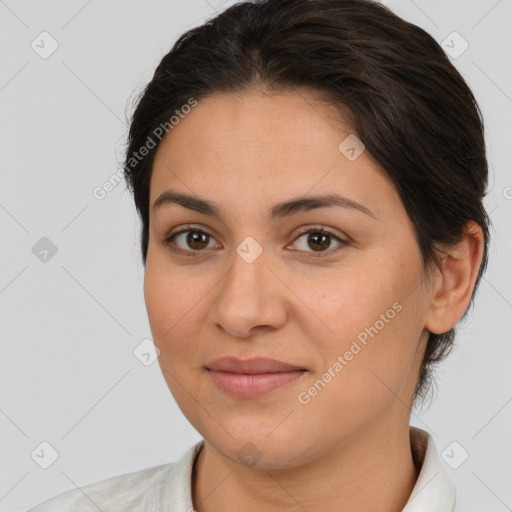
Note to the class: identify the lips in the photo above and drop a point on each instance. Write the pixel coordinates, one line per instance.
(257, 365)
(252, 378)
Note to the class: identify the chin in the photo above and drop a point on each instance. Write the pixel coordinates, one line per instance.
(259, 450)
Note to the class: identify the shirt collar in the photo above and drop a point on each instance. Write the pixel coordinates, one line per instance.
(433, 490)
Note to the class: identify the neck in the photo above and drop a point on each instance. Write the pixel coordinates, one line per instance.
(371, 470)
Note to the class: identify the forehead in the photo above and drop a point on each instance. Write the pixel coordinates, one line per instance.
(252, 146)
(253, 118)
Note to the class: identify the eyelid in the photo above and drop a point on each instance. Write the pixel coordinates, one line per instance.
(319, 228)
(189, 227)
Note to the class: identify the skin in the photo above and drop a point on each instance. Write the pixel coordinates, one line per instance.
(349, 446)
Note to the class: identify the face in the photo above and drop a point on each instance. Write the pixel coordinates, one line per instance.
(336, 290)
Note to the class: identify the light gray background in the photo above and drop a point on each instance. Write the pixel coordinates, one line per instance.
(69, 326)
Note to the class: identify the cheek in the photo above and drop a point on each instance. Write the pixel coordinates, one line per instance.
(166, 305)
(169, 295)
(169, 315)
(369, 319)
(346, 301)
(159, 302)
(175, 301)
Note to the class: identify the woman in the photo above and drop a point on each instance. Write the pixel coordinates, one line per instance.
(309, 175)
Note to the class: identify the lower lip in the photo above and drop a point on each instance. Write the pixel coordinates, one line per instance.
(242, 385)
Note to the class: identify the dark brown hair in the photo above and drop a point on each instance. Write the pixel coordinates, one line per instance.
(408, 104)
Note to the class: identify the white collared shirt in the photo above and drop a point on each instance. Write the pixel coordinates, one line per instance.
(168, 487)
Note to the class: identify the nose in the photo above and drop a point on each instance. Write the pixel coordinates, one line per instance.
(250, 298)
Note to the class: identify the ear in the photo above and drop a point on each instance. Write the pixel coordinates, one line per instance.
(452, 292)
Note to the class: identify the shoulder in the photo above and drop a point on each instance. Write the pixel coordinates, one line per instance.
(131, 491)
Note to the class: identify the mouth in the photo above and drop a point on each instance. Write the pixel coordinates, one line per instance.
(243, 385)
(255, 365)
(252, 378)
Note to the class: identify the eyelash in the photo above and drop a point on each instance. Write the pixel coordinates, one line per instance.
(316, 230)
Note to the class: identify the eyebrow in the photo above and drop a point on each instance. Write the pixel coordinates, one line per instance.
(278, 211)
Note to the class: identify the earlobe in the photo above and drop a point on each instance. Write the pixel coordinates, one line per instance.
(459, 269)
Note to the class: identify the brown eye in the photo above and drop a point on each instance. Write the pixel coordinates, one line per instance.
(196, 240)
(188, 241)
(318, 241)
